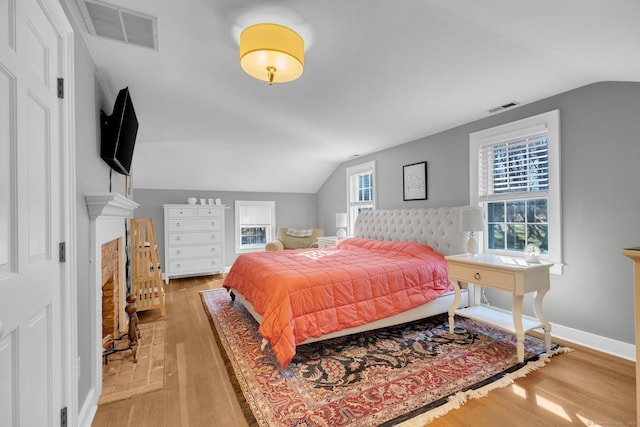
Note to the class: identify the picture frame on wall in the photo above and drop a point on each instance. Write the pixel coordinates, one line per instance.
(414, 181)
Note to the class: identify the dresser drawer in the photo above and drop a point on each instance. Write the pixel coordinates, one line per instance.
(184, 252)
(180, 212)
(200, 265)
(209, 212)
(194, 224)
(482, 276)
(194, 238)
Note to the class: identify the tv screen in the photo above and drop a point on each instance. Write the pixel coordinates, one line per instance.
(118, 133)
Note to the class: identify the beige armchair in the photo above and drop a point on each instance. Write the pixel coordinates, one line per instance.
(290, 238)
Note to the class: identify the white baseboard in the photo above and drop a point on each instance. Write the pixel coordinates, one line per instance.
(586, 339)
(88, 410)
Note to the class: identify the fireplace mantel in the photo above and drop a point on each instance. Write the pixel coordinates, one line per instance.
(108, 214)
(112, 205)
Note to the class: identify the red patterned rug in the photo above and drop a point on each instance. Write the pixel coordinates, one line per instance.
(403, 375)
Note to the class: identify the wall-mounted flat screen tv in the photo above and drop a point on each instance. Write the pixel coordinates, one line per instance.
(118, 133)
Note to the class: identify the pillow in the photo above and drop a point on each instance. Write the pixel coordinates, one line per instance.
(302, 232)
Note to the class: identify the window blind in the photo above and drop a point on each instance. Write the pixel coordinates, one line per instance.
(255, 215)
(508, 169)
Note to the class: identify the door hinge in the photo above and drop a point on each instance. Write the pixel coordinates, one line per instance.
(62, 251)
(61, 88)
(63, 417)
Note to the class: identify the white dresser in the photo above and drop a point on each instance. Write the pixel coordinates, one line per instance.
(193, 240)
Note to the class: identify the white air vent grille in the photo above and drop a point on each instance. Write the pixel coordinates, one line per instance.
(506, 106)
(117, 23)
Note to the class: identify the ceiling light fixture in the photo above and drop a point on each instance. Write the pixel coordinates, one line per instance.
(272, 53)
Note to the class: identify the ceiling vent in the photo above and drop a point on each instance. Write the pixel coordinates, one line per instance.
(506, 106)
(117, 23)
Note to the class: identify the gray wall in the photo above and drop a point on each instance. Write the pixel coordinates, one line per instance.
(447, 183)
(92, 176)
(292, 210)
(600, 132)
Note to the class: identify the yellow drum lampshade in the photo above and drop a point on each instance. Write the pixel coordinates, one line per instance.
(272, 53)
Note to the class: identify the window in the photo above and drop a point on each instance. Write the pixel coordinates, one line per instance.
(255, 224)
(515, 177)
(360, 191)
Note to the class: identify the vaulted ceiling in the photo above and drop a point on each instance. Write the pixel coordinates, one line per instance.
(378, 73)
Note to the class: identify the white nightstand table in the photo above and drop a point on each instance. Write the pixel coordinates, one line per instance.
(507, 274)
(327, 242)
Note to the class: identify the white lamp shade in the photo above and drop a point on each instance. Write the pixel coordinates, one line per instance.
(341, 220)
(471, 219)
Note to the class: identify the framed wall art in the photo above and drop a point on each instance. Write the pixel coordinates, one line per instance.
(414, 181)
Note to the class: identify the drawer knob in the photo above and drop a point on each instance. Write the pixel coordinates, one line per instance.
(178, 252)
(177, 224)
(213, 249)
(177, 237)
(476, 276)
(213, 237)
(213, 223)
(178, 266)
(213, 263)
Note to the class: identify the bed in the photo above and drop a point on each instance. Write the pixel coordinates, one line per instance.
(391, 272)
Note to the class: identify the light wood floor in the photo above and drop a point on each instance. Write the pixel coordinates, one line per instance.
(583, 387)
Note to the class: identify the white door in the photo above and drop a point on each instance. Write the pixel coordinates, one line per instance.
(30, 218)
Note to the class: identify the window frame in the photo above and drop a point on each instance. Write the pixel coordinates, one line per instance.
(271, 227)
(548, 123)
(352, 206)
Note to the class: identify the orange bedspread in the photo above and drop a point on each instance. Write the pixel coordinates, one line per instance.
(310, 292)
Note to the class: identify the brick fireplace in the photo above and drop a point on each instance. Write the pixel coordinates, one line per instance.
(112, 301)
(109, 215)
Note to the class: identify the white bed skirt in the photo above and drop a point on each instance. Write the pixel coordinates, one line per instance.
(436, 306)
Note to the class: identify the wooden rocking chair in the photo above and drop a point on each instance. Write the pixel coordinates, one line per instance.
(146, 277)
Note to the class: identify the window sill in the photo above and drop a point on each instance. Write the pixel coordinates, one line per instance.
(251, 249)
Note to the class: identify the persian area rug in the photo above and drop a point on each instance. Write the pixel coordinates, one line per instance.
(402, 375)
(121, 378)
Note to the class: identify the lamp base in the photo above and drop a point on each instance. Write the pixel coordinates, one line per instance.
(341, 233)
(472, 244)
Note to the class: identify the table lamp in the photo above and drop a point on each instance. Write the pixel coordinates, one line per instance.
(341, 223)
(471, 222)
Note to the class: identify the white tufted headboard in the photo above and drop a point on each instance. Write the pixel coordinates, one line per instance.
(437, 227)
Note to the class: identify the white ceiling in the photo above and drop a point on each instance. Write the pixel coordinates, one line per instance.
(378, 73)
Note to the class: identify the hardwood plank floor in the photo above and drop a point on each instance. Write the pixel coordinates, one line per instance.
(197, 391)
(583, 387)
